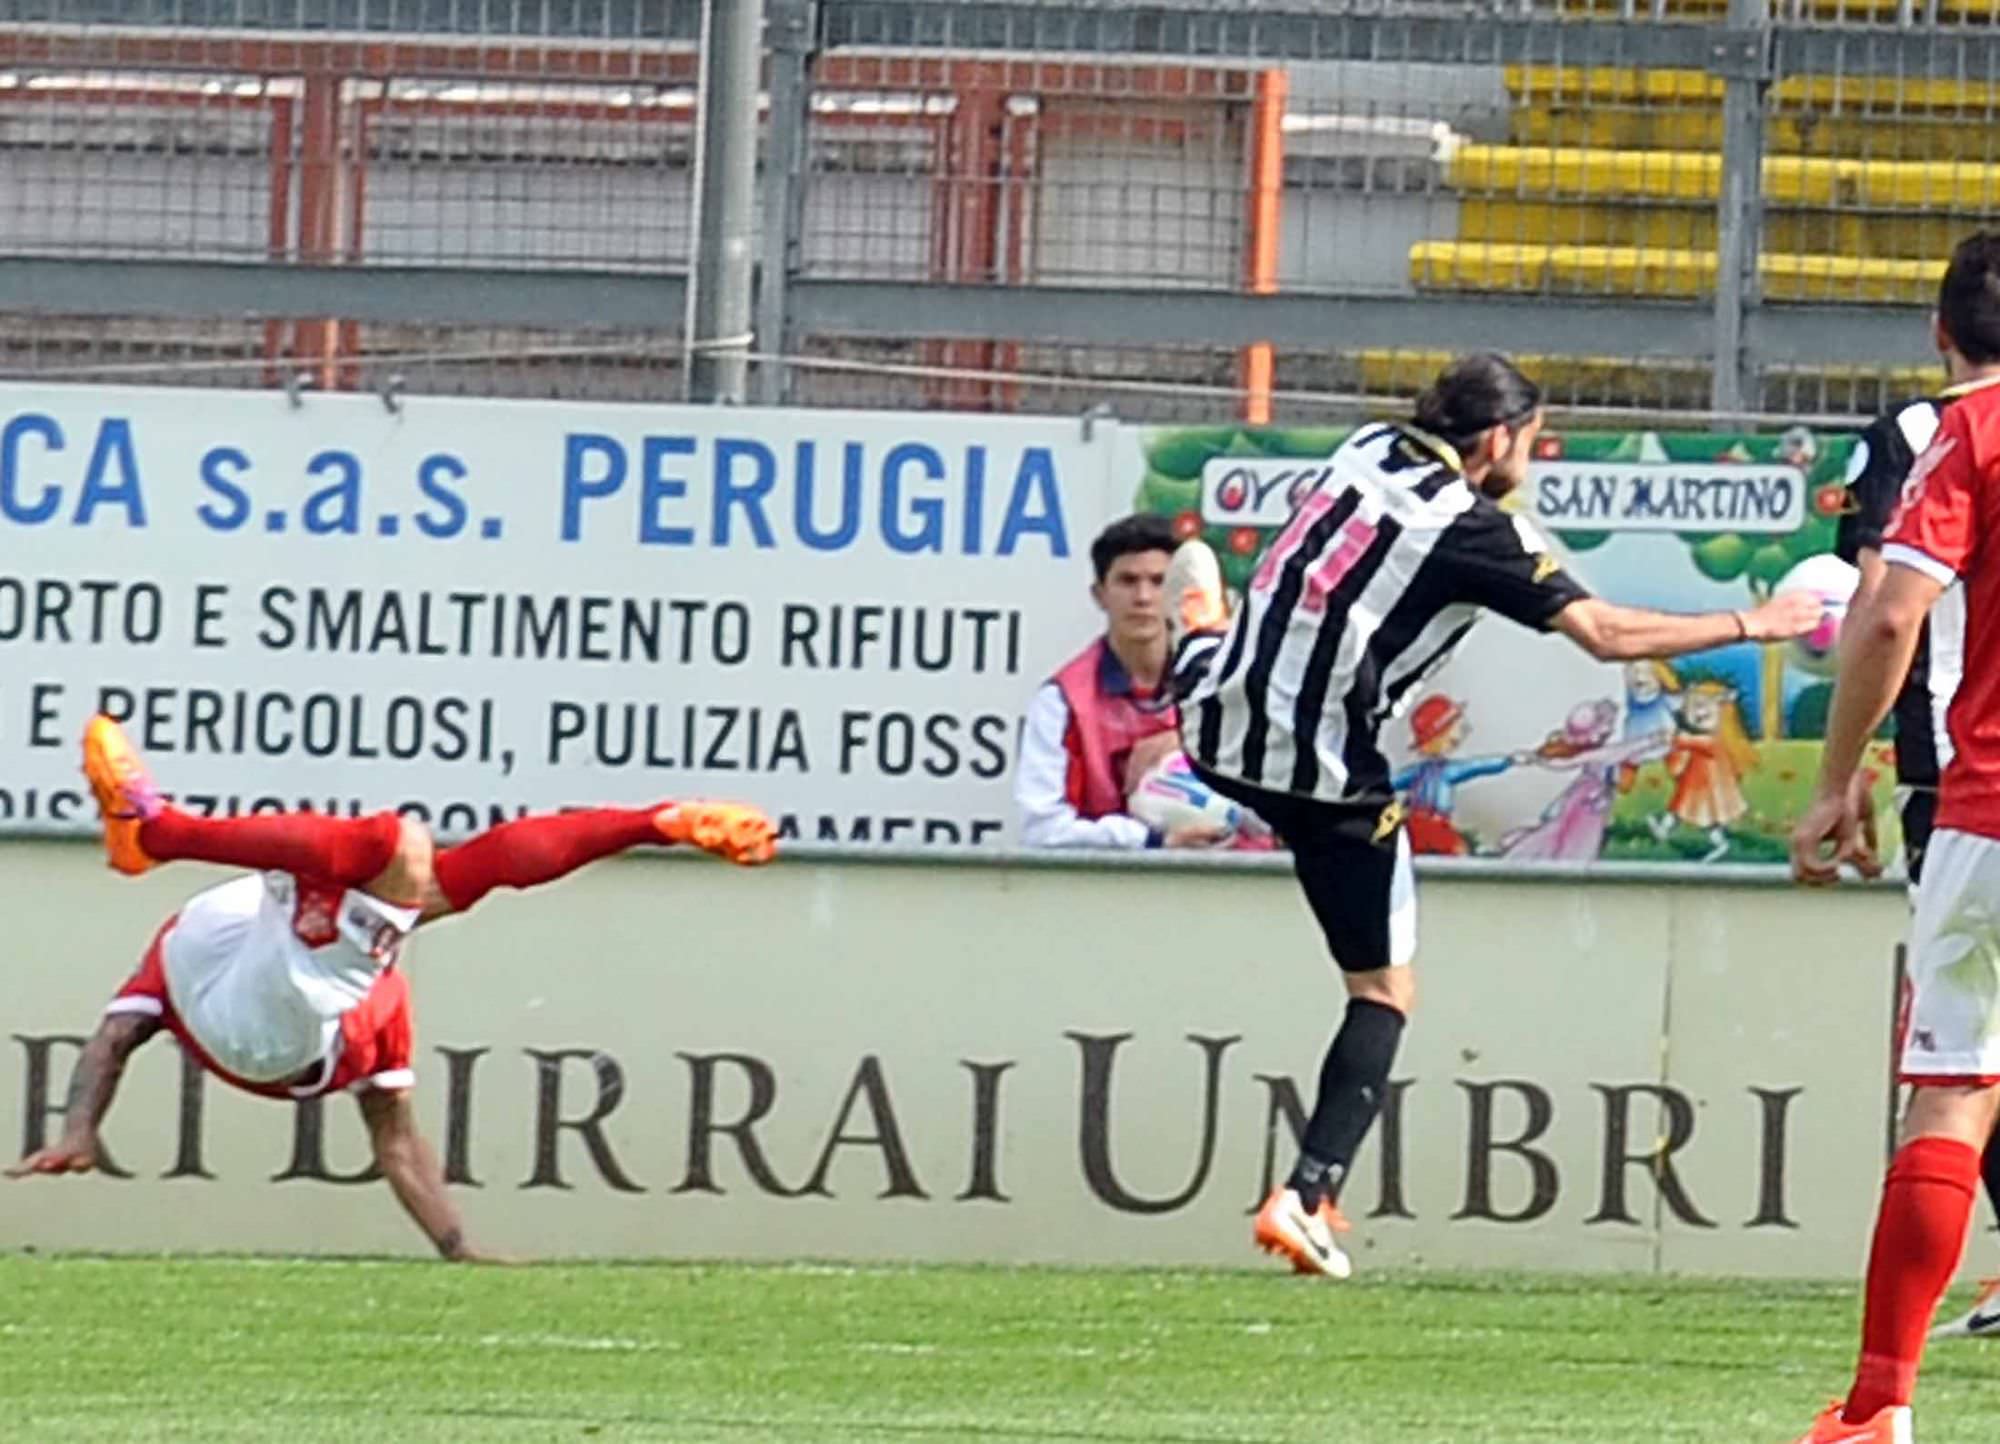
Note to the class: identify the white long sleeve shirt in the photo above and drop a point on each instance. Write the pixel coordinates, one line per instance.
(1041, 787)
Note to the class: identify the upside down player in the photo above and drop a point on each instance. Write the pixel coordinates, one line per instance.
(1944, 532)
(284, 982)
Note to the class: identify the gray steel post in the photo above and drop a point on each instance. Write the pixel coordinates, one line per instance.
(1745, 60)
(791, 35)
(718, 321)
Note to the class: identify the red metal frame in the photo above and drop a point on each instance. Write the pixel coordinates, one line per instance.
(986, 158)
(1264, 203)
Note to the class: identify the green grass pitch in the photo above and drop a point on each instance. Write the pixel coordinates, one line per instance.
(407, 1353)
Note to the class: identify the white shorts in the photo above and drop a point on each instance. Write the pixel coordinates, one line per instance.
(1954, 967)
(263, 968)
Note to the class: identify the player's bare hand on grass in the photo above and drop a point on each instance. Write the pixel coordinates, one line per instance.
(468, 1253)
(61, 1158)
(1195, 834)
(1788, 615)
(1836, 829)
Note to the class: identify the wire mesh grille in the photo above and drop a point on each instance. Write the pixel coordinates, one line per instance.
(1386, 149)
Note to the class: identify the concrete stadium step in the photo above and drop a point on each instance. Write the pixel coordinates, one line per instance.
(1664, 273)
(1880, 117)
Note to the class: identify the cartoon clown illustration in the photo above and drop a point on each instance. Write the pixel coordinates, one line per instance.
(1438, 729)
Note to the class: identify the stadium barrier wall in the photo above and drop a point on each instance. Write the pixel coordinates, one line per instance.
(1000, 1059)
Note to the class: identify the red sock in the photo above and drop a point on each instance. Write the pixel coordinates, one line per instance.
(1919, 1239)
(344, 850)
(539, 849)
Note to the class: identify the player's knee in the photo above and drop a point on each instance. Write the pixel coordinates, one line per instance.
(408, 879)
(1391, 987)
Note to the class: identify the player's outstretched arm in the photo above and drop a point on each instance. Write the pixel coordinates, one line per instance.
(408, 1161)
(91, 1089)
(1612, 633)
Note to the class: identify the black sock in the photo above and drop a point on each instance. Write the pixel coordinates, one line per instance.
(1352, 1081)
(1989, 1172)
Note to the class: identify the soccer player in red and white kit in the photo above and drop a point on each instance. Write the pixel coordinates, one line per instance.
(1946, 529)
(284, 982)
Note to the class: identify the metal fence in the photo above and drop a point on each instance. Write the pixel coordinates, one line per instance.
(1178, 209)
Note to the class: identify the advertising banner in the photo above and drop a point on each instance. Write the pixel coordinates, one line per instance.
(1707, 758)
(468, 608)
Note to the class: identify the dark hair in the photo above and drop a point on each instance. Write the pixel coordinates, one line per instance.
(1139, 532)
(1969, 298)
(1474, 394)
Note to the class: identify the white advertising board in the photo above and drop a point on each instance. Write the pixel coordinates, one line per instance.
(470, 608)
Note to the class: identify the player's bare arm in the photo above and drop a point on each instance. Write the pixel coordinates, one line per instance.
(1875, 651)
(91, 1089)
(1612, 633)
(408, 1161)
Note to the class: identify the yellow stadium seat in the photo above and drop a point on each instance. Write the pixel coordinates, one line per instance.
(1663, 272)
(1665, 175)
(1884, 117)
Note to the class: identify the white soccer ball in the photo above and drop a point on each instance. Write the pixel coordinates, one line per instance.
(1171, 796)
(1834, 581)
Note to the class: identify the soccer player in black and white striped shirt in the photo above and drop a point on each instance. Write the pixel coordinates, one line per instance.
(1381, 572)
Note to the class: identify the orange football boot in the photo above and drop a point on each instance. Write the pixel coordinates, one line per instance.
(125, 792)
(1889, 1426)
(732, 830)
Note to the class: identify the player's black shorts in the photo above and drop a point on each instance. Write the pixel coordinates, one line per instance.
(1353, 860)
(1919, 816)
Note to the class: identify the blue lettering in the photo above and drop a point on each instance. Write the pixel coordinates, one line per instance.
(578, 448)
(27, 424)
(656, 487)
(114, 443)
(929, 536)
(434, 475)
(212, 464)
(1036, 479)
(975, 498)
(805, 475)
(335, 508)
(730, 493)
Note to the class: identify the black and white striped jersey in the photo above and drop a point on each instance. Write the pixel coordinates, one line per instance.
(1882, 461)
(1379, 574)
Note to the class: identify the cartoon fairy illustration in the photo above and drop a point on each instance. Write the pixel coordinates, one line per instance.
(1571, 827)
(1708, 761)
(1438, 728)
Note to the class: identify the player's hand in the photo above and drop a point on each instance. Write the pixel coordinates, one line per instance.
(61, 1158)
(1788, 615)
(471, 1255)
(1836, 829)
(1195, 834)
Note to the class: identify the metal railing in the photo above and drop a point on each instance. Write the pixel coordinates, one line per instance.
(1725, 207)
